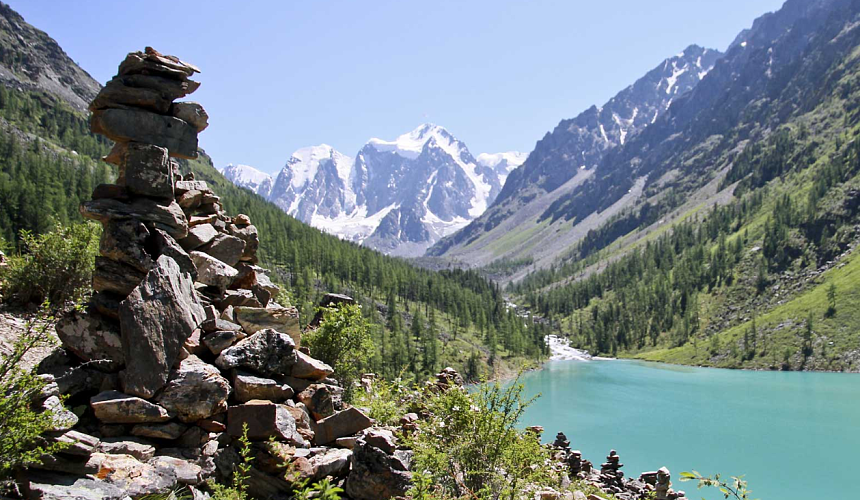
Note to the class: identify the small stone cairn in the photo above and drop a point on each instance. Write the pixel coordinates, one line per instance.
(183, 348)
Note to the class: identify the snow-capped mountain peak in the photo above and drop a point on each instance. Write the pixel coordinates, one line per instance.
(249, 177)
(399, 196)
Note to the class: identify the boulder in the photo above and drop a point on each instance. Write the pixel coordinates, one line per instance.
(137, 448)
(136, 478)
(319, 400)
(309, 368)
(381, 438)
(91, 337)
(251, 276)
(106, 304)
(239, 298)
(62, 419)
(194, 390)
(77, 443)
(304, 424)
(333, 462)
(228, 249)
(151, 62)
(124, 240)
(191, 112)
(219, 324)
(53, 486)
(186, 472)
(116, 94)
(198, 236)
(265, 420)
(345, 423)
(329, 300)
(282, 319)
(115, 277)
(267, 352)
(249, 387)
(375, 475)
(164, 244)
(170, 88)
(135, 125)
(113, 407)
(155, 320)
(145, 170)
(249, 235)
(169, 431)
(166, 216)
(186, 185)
(213, 272)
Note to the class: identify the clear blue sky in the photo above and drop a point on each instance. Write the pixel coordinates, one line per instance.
(282, 74)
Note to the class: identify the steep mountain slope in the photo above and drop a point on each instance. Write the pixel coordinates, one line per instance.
(766, 279)
(31, 59)
(396, 196)
(50, 163)
(564, 159)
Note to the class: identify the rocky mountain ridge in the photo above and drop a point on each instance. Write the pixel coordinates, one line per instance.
(397, 196)
(565, 158)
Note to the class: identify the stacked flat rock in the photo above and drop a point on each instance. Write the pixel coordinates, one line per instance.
(612, 465)
(183, 345)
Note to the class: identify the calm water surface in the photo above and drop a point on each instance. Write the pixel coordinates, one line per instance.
(795, 436)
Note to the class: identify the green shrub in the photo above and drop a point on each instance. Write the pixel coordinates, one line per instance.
(343, 342)
(470, 445)
(56, 267)
(386, 401)
(736, 488)
(238, 487)
(21, 426)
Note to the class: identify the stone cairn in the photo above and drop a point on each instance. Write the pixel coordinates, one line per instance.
(182, 347)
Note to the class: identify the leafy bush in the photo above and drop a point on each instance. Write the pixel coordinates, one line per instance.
(470, 445)
(386, 401)
(21, 426)
(238, 487)
(343, 342)
(56, 267)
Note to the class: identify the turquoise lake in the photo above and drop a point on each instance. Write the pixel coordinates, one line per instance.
(795, 436)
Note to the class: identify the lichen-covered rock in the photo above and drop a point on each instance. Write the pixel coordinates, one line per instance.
(267, 352)
(155, 320)
(113, 407)
(186, 472)
(136, 478)
(375, 474)
(219, 340)
(194, 390)
(92, 337)
(164, 244)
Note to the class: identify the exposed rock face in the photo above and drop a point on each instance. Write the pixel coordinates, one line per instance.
(264, 420)
(156, 319)
(344, 423)
(91, 337)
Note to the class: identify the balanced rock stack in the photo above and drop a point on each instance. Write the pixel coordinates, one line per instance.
(182, 347)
